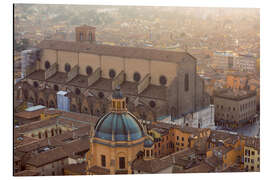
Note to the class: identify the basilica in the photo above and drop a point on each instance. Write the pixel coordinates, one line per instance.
(156, 83)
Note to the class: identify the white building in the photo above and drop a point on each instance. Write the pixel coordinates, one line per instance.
(204, 118)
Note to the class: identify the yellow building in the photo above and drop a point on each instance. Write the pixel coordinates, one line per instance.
(116, 140)
(252, 154)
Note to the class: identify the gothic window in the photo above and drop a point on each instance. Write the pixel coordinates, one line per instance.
(41, 102)
(186, 82)
(162, 80)
(152, 104)
(73, 108)
(51, 104)
(56, 88)
(103, 161)
(112, 73)
(67, 67)
(47, 65)
(46, 134)
(77, 91)
(137, 77)
(36, 84)
(89, 70)
(121, 162)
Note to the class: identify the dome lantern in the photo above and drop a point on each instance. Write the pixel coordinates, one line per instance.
(118, 101)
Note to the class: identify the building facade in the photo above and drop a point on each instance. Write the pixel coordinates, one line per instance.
(155, 82)
(234, 109)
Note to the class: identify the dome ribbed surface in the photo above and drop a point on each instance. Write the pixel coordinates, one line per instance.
(121, 124)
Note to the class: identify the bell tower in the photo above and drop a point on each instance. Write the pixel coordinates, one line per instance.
(85, 33)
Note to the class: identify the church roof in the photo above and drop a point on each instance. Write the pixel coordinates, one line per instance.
(119, 51)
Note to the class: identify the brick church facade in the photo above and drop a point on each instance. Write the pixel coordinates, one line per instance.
(156, 83)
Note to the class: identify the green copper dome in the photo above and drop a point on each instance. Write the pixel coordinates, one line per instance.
(119, 127)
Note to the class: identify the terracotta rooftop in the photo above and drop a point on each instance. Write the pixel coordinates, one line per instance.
(128, 52)
(58, 77)
(77, 169)
(29, 114)
(79, 81)
(99, 170)
(152, 166)
(201, 168)
(253, 142)
(37, 75)
(47, 157)
(32, 172)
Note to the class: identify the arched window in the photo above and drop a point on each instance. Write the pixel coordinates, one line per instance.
(60, 131)
(89, 70)
(112, 73)
(52, 132)
(73, 108)
(39, 135)
(186, 82)
(51, 104)
(46, 134)
(85, 109)
(136, 77)
(122, 163)
(55, 87)
(77, 91)
(41, 102)
(67, 67)
(36, 84)
(47, 65)
(163, 80)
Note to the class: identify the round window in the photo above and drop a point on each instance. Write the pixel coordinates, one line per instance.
(152, 104)
(163, 80)
(67, 67)
(78, 91)
(35, 84)
(101, 94)
(112, 73)
(47, 65)
(137, 77)
(89, 70)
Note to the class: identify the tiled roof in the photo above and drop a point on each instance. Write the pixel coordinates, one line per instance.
(47, 157)
(99, 170)
(78, 169)
(107, 50)
(152, 166)
(27, 173)
(253, 142)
